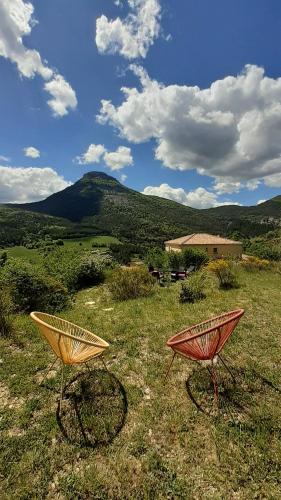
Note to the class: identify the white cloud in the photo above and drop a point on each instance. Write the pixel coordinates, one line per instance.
(253, 184)
(118, 159)
(22, 185)
(198, 198)
(17, 21)
(273, 180)
(132, 36)
(63, 96)
(123, 178)
(115, 160)
(31, 152)
(92, 155)
(223, 186)
(4, 158)
(228, 185)
(230, 130)
(261, 201)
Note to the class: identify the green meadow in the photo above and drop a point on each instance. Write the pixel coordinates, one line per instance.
(137, 436)
(32, 255)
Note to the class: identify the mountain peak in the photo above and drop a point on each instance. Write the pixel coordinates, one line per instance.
(99, 176)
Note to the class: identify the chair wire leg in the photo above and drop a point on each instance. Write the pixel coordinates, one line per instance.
(62, 380)
(227, 368)
(169, 367)
(104, 363)
(215, 383)
(87, 366)
(48, 371)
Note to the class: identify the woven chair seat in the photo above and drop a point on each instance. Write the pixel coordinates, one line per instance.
(205, 340)
(71, 343)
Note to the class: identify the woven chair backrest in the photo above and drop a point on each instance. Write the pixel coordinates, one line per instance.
(205, 340)
(69, 341)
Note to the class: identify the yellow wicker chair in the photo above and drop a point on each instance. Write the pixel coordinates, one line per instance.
(71, 344)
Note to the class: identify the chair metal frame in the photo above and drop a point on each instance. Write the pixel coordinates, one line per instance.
(204, 342)
(71, 343)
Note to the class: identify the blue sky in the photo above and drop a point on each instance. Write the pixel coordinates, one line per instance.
(168, 136)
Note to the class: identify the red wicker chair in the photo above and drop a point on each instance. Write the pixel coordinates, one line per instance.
(204, 342)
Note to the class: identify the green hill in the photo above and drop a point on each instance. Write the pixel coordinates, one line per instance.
(99, 204)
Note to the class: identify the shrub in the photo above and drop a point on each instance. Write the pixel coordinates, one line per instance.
(192, 289)
(31, 288)
(121, 253)
(3, 258)
(157, 258)
(263, 249)
(76, 270)
(175, 260)
(90, 270)
(226, 272)
(130, 283)
(255, 264)
(6, 310)
(194, 257)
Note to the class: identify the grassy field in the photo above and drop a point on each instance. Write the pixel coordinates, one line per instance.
(33, 256)
(135, 436)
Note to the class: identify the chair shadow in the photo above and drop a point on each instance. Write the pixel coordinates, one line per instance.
(235, 399)
(93, 410)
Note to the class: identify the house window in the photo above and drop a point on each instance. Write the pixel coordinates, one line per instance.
(215, 250)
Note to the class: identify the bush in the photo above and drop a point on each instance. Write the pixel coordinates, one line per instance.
(31, 289)
(263, 249)
(255, 264)
(226, 272)
(6, 310)
(3, 258)
(194, 257)
(121, 253)
(192, 289)
(175, 260)
(130, 283)
(90, 270)
(76, 270)
(157, 258)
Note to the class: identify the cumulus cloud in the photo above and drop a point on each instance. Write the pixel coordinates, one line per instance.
(118, 159)
(92, 155)
(17, 21)
(198, 198)
(63, 96)
(132, 36)
(224, 186)
(22, 185)
(31, 152)
(273, 180)
(115, 160)
(230, 130)
(227, 185)
(123, 177)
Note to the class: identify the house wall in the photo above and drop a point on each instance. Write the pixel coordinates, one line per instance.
(222, 250)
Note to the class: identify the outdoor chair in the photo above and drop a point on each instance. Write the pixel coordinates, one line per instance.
(189, 270)
(71, 344)
(204, 342)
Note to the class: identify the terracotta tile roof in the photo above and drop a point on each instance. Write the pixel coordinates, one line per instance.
(202, 239)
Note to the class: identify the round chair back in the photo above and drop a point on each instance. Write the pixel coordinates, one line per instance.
(71, 343)
(205, 340)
